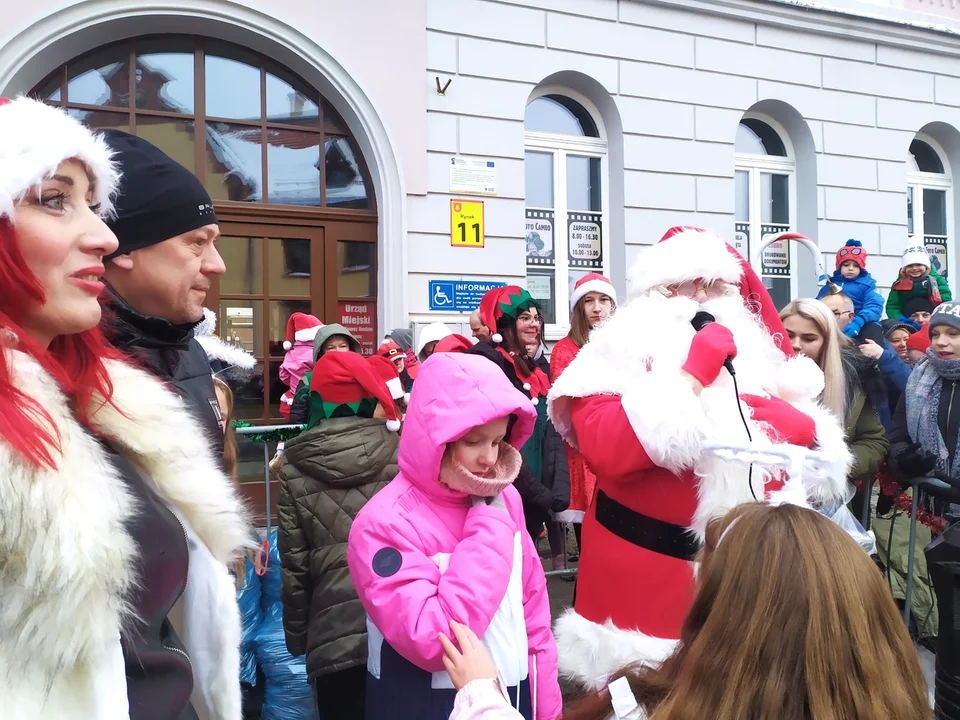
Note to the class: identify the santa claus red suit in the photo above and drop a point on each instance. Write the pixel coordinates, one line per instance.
(640, 401)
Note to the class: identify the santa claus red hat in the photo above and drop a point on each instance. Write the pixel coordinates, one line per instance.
(454, 343)
(686, 253)
(388, 373)
(391, 351)
(36, 139)
(301, 327)
(346, 378)
(592, 282)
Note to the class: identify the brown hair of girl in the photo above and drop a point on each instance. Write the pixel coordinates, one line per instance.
(580, 323)
(230, 454)
(792, 621)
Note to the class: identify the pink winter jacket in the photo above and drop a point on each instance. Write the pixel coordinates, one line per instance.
(296, 363)
(421, 556)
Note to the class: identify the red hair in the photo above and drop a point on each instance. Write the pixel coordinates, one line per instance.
(76, 363)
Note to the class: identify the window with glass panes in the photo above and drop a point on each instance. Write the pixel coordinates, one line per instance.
(292, 193)
(928, 188)
(763, 189)
(564, 167)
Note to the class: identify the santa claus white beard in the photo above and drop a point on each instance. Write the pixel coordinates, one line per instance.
(724, 484)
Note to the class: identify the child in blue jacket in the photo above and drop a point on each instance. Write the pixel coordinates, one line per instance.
(852, 277)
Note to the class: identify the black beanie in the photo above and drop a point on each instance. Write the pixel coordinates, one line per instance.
(917, 304)
(158, 198)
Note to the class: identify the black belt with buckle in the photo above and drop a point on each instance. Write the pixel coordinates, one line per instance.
(643, 531)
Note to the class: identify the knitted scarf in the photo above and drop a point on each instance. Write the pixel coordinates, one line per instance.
(923, 408)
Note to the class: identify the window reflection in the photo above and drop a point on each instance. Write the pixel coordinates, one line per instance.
(538, 170)
(243, 257)
(293, 167)
(290, 101)
(280, 312)
(102, 78)
(356, 277)
(289, 263)
(232, 85)
(345, 184)
(241, 324)
(175, 137)
(234, 162)
(165, 75)
(101, 120)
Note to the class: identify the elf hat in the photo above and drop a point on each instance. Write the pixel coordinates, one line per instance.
(387, 372)
(509, 301)
(852, 250)
(346, 378)
(301, 326)
(684, 254)
(454, 343)
(915, 255)
(36, 139)
(593, 282)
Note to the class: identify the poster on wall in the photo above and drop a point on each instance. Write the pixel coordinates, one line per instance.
(937, 249)
(473, 176)
(775, 258)
(741, 240)
(539, 237)
(585, 240)
(360, 318)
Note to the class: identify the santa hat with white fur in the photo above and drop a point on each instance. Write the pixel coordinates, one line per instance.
(347, 379)
(592, 282)
(301, 327)
(37, 138)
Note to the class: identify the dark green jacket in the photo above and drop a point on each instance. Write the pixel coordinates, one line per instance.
(328, 475)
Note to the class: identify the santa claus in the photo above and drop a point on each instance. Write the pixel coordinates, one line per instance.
(641, 401)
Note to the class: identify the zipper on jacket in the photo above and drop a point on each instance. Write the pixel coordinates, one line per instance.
(177, 650)
(953, 389)
(183, 589)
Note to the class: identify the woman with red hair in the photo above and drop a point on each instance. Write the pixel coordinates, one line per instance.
(109, 494)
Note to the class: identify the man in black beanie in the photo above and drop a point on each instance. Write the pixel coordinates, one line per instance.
(159, 276)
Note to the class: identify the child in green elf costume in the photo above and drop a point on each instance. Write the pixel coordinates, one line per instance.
(917, 278)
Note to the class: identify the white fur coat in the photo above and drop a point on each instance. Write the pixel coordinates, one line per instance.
(67, 561)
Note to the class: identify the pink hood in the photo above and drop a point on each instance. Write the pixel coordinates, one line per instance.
(453, 394)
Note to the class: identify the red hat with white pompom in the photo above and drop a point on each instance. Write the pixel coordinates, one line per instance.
(592, 282)
(387, 371)
(37, 139)
(301, 327)
(347, 378)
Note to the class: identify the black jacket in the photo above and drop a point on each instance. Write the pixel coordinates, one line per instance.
(170, 353)
(948, 419)
(158, 670)
(551, 492)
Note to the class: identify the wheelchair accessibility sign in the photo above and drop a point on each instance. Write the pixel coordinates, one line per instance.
(459, 296)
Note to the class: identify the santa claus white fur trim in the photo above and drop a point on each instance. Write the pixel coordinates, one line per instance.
(588, 653)
(306, 334)
(687, 256)
(38, 138)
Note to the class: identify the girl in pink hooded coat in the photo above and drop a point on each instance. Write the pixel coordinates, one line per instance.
(441, 543)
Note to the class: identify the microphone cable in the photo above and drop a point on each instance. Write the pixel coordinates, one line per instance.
(746, 426)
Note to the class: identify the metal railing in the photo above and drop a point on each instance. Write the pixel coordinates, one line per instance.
(262, 429)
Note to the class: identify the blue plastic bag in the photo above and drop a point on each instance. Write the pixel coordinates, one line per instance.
(251, 616)
(288, 693)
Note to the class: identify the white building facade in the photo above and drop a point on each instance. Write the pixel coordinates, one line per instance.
(345, 144)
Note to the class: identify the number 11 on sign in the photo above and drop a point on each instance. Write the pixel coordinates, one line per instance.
(466, 223)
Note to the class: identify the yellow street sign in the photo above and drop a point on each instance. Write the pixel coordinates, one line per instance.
(466, 223)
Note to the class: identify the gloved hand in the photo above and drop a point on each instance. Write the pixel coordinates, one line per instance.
(708, 351)
(914, 461)
(788, 423)
(853, 327)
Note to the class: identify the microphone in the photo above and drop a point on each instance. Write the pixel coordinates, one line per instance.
(699, 322)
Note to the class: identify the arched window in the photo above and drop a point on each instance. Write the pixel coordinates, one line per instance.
(296, 207)
(928, 186)
(765, 170)
(565, 176)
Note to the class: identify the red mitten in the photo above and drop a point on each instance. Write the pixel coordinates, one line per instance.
(708, 351)
(791, 425)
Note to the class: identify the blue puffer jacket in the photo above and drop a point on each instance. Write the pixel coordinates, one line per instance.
(867, 302)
